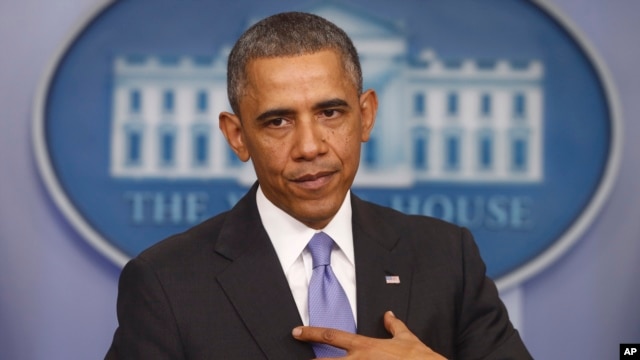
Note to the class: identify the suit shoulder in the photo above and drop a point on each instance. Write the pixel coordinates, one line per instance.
(183, 246)
(404, 221)
(420, 235)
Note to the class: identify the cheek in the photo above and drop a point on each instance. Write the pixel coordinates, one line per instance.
(351, 148)
(262, 152)
(267, 154)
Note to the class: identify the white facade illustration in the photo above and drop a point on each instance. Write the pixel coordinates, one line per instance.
(165, 119)
(439, 120)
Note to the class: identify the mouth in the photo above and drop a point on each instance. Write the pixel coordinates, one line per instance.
(314, 181)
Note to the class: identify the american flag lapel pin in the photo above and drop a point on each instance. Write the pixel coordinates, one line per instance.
(392, 279)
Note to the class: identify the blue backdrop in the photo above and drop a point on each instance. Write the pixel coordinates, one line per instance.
(57, 294)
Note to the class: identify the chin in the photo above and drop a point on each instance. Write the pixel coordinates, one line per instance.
(317, 215)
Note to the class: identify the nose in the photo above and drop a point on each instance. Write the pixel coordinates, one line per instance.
(310, 140)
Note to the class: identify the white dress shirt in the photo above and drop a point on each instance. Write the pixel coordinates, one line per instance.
(290, 238)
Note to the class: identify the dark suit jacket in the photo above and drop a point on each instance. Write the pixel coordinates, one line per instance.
(218, 291)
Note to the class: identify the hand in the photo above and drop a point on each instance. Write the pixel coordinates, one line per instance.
(403, 345)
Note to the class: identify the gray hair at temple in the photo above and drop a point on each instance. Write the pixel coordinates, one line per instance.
(288, 34)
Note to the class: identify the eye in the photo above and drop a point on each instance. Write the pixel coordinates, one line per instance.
(276, 123)
(330, 113)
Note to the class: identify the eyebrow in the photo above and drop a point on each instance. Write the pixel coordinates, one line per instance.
(284, 112)
(274, 113)
(332, 103)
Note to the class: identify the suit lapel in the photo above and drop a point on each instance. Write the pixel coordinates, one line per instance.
(256, 285)
(258, 289)
(377, 257)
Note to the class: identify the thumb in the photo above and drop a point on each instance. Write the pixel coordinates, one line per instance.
(393, 325)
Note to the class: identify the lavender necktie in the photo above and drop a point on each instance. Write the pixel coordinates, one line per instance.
(328, 303)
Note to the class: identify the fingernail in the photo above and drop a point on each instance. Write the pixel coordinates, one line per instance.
(392, 314)
(296, 332)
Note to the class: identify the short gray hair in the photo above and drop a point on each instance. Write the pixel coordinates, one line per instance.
(288, 34)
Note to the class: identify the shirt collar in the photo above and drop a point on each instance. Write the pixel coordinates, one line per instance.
(289, 236)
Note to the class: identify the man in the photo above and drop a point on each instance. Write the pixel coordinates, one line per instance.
(236, 286)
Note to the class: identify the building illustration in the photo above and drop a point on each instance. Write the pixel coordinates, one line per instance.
(461, 120)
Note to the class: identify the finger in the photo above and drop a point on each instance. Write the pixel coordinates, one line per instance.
(393, 325)
(334, 337)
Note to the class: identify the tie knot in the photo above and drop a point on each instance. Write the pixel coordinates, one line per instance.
(320, 247)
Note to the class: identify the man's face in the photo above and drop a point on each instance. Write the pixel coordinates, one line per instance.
(302, 123)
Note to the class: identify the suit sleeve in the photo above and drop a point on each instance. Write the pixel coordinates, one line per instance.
(484, 330)
(147, 328)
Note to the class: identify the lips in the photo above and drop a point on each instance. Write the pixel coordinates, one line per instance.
(310, 177)
(314, 181)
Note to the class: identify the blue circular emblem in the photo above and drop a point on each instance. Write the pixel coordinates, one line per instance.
(494, 115)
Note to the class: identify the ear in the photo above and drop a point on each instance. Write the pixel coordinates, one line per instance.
(368, 111)
(231, 127)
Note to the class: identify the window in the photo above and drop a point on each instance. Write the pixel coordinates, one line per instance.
(133, 147)
(485, 150)
(421, 149)
(419, 104)
(485, 105)
(519, 148)
(135, 101)
(452, 152)
(202, 101)
(168, 101)
(519, 106)
(167, 145)
(520, 154)
(167, 148)
(452, 104)
(200, 141)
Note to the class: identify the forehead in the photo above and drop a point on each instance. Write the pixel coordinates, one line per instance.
(313, 71)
